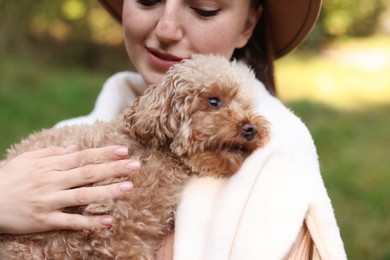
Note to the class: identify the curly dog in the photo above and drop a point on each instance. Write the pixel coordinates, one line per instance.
(199, 120)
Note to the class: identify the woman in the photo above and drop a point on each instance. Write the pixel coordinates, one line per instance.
(262, 212)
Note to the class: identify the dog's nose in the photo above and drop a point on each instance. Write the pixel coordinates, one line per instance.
(249, 131)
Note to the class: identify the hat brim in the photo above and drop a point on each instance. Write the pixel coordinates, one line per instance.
(290, 21)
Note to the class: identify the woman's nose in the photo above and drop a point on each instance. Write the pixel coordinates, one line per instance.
(168, 27)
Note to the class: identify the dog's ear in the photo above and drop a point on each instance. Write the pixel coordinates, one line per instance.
(155, 117)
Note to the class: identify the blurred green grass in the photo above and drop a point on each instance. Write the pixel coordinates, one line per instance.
(353, 148)
(352, 137)
(35, 94)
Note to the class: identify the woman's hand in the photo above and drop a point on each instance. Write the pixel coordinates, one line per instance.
(36, 186)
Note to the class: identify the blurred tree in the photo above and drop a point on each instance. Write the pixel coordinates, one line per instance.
(73, 31)
(14, 18)
(346, 18)
(351, 17)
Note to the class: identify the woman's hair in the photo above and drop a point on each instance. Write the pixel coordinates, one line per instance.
(258, 53)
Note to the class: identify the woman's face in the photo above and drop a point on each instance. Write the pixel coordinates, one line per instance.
(160, 33)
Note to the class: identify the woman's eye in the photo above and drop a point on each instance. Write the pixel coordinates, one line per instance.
(206, 13)
(214, 102)
(147, 2)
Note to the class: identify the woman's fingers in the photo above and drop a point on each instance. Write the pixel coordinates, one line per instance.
(60, 220)
(36, 186)
(48, 152)
(96, 172)
(87, 195)
(88, 156)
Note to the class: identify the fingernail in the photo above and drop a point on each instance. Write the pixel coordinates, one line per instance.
(121, 152)
(107, 221)
(126, 186)
(133, 165)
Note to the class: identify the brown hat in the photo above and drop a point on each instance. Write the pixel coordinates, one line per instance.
(290, 20)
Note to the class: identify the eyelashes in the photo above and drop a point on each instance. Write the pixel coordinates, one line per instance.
(206, 13)
(202, 13)
(147, 3)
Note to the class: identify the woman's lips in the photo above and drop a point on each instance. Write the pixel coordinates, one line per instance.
(162, 60)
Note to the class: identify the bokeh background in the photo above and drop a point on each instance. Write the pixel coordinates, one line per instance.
(55, 56)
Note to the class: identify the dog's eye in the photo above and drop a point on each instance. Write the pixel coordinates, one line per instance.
(214, 102)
